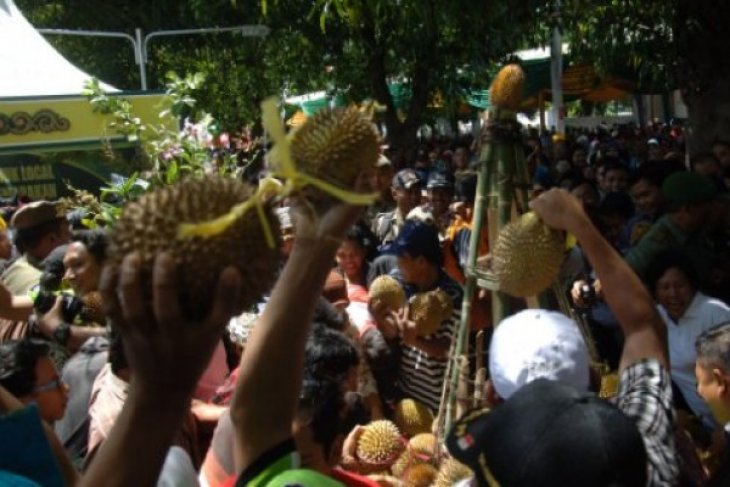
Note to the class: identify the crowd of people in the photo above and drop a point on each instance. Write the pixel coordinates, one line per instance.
(100, 386)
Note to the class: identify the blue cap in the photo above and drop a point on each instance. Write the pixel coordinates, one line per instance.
(417, 238)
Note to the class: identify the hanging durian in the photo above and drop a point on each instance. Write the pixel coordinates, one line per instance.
(150, 226)
(506, 89)
(527, 256)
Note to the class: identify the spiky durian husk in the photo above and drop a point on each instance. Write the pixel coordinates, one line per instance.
(421, 449)
(336, 145)
(412, 417)
(150, 226)
(419, 475)
(451, 472)
(506, 89)
(527, 256)
(380, 443)
(389, 291)
(428, 310)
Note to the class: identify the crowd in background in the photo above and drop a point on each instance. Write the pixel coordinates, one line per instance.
(649, 277)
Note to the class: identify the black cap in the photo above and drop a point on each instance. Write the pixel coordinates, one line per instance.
(550, 434)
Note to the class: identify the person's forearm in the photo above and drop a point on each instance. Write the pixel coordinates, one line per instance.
(135, 450)
(270, 378)
(623, 291)
(20, 308)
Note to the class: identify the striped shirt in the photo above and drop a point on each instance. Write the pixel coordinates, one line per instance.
(420, 376)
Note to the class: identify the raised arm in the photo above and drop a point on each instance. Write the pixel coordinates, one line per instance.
(628, 298)
(167, 354)
(270, 377)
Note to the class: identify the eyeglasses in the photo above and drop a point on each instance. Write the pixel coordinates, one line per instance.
(50, 386)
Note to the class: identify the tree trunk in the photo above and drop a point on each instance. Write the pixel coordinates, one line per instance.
(709, 115)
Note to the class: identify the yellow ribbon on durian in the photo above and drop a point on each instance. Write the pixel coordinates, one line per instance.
(287, 170)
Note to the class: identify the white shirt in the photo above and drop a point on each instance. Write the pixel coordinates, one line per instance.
(703, 314)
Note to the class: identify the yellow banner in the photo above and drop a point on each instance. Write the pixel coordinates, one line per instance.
(53, 123)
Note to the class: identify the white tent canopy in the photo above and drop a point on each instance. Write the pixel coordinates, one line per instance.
(29, 65)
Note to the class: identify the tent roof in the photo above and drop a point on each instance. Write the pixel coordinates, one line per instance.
(36, 69)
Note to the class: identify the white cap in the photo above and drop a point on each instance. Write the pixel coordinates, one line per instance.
(534, 344)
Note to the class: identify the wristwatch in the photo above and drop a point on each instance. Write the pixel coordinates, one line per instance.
(62, 333)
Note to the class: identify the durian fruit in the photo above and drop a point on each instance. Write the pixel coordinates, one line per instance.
(451, 472)
(428, 310)
(419, 475)
(389, 291)
(150, 226)
(380, 443)
(506, 89)
(422, 448)
(92, 311)
(412, 417)
(335, 145)
(527, 256)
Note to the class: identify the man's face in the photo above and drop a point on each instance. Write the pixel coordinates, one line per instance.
(383, 178)
(674, 291)
(407, 198)
(711, 386)
(647, 197)
(579, 158)
(440, 199)
(459, 159)
(655, 152)
(616, 180)
(410, 267)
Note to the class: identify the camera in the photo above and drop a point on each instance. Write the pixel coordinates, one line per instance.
(588, 295)
(70, 305)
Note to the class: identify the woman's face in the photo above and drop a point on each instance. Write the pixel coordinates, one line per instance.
(350, 257)
(674, 292)
(82, 269)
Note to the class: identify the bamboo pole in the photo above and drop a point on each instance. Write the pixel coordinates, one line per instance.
(486, 160)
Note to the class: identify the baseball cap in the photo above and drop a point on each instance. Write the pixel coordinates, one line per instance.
(406, 178)
(550, 434)
(36, 213)
(688, 188)
(439, 180)
(535, 344)
(416, 238)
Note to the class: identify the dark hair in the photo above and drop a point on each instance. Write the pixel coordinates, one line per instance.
(672, 258)
(27, 238)
(321, 400)
(53, 269)
(617, 203)
(613, 164)
(329, 353)
(95, 242)
(713, 346)
(366, 239)
(326, 315)
(18, 359)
